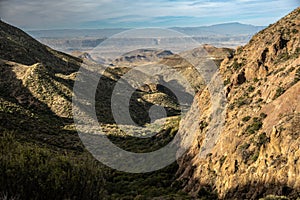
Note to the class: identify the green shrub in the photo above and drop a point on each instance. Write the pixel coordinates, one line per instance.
(263, 115)
(255, 156)
(247, 118)
(236, 65)
(279, 92)
(297, 76)
(259, 92)
(291, 69)
(262, 139)
(255, 126)
(256, 119)
(295, 31)
(251, 89)
(244, 146)
(297, 51)
(260, 100)
(242, 101)
(286, 56)
(226, 82)
(231, 106)
(279, 70)
(203, 125)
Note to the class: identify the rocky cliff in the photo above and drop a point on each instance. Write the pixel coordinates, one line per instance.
(257, 152)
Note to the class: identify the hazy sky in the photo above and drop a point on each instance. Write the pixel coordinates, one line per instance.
(46, 14)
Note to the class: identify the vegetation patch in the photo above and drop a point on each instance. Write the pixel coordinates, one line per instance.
(28, 170)
(251, 89)
(279, 92)
(262, 139)
(227, 82)
(31, 171)
(255, 156)
(263, 115)
(297, 76)
(244, 146)
(245, 119)
(242, 101)
(203, 125)
(255, 80)
(236, 65)
(255, 126)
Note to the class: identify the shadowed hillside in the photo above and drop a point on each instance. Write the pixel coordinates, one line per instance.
(42, 156)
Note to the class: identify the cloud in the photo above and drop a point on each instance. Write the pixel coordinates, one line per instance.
(39, 14)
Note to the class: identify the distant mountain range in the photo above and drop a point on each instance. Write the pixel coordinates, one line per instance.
(221, 29)
(234, 28)
(220, 35)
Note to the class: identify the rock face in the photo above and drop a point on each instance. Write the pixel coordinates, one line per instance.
(258, 150)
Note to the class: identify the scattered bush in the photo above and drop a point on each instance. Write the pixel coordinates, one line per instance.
(226, 82)
(236, 65)
(256, 119)
(262, 139)
(297, 76)
(279, 92)
(244, 146)
(255, 156)
(242, 101)
(295, 31)
(279, 70)
(263, 115)
(260, 100)
(203, 125)
(255, 80)
(297, 51)
(251, 89)
(254, 127)
(291, 69)
(247, 118)
(231, 106)
(259, 92)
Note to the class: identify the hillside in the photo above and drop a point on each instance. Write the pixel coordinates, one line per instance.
(42, 156)
(257, 152)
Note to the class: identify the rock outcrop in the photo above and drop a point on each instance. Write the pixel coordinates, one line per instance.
(257, 152)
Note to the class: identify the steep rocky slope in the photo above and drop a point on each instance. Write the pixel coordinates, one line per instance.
(257, 152)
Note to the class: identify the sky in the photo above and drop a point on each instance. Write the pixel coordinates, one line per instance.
(68, 14)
